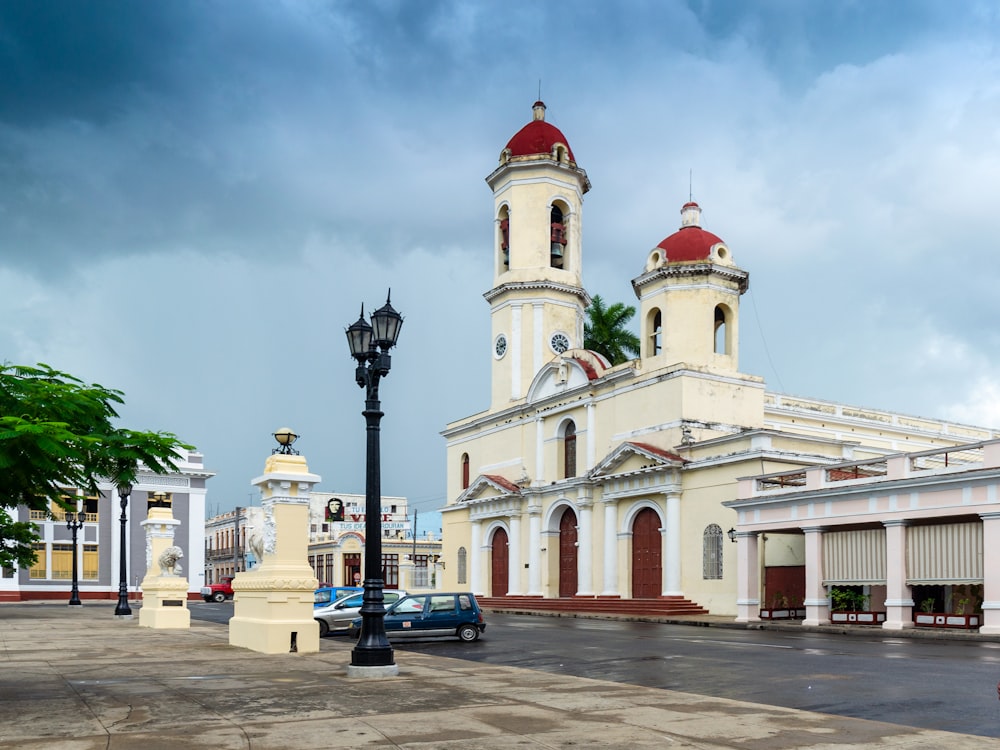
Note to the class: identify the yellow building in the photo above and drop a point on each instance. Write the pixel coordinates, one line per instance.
(584, 479)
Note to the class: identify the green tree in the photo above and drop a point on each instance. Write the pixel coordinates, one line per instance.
(605, 333)
(56, 432)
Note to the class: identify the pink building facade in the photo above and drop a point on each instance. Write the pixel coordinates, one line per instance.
(924, 524)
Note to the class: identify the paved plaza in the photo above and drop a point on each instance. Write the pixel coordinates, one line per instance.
(78, 679)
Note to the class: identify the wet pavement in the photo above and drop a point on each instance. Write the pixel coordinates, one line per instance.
(77, 678)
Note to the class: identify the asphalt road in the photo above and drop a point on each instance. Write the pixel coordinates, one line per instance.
(946, 685)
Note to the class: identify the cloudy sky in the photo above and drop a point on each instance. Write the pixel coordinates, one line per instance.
(197, 197)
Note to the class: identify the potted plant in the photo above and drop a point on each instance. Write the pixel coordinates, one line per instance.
(927, 617)
(849, 606)
(779, 609)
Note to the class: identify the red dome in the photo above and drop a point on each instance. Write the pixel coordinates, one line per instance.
(538, 137)
(690, 242)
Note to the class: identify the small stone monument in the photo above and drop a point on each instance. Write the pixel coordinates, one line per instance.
(273, 603)
(164, 591)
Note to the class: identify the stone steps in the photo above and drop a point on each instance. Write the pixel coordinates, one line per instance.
(663, 605)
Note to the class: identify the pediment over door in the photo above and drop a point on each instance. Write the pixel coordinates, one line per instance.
(636, 468)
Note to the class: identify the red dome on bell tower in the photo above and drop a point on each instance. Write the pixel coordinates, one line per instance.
(538, 137)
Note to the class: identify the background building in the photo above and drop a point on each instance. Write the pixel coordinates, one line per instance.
(584, 479)
(99, 538)
(336, 542)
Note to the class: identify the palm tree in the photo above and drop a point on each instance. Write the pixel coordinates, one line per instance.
(605, 332)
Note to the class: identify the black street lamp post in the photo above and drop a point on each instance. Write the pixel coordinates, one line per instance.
(370, 345)
(74, 522)
(123, 610)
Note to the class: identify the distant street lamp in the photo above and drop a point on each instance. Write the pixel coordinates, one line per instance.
(370, 345)
(122, 610)
(74, 522)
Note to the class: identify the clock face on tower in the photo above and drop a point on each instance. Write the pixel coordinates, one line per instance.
(559, 342)
(500, 346)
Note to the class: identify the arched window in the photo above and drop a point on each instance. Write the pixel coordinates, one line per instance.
(462, 563)
(569, 450)
(503, 239)
(465, 471)
(712, 552)
(655, 339)
(557, 238)
(722, 343)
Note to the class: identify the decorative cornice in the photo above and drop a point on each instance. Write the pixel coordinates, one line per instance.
(673, 270)
(552, 286)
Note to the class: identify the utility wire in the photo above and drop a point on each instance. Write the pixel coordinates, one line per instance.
(767, 351)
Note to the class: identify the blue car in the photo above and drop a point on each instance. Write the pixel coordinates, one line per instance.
(323, 596)
(425, 615)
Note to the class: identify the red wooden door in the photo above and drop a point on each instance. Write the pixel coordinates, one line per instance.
(567, 553)
(647, 572)
(500, 559)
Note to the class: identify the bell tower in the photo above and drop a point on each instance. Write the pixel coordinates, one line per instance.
(689, 299)
(537, 301)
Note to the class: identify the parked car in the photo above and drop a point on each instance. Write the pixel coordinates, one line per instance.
(337, 616)
(218, 592)
(434, 614)
(326, 595)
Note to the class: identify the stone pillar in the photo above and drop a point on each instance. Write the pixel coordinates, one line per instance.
(898, 596)
(611, 549)
(747, 577)
(535, 551)
(273, 603)
(672, 547)
(407, 569)
(991, 574)
(817, 600)
(514, 561)
(164, 594)
(585, 552)
(476, 558)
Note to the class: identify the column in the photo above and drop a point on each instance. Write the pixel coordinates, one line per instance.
(591, 436)
(585, 552)
(514, 561)
(476, 558)
(991, 574)
(817, 599)
(898, 597)
(672, 547)
(539, 449)
(747, 577)
(610, 549)
(516, 347)
(535, 552)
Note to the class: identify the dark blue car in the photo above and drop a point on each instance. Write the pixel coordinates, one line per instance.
(425, 615)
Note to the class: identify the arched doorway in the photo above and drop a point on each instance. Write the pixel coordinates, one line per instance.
(499, 581)
(647, 566)
(567, 553)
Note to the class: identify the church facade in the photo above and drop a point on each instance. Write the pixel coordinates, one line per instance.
(583, 479)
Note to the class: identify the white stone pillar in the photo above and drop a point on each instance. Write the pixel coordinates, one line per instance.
(476, 558)
(817, 600)
(514, 562)
(991, 574)
(164, 595)
(747, 577)
(898, 596)
(539, 448)
(672, 547)
(585, 552)
(535, 551)
(611, 549)
(273, 603)
(591, 436)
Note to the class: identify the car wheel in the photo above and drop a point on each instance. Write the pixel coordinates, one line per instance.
(468, 633)
(218, 596)
(324, 629)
